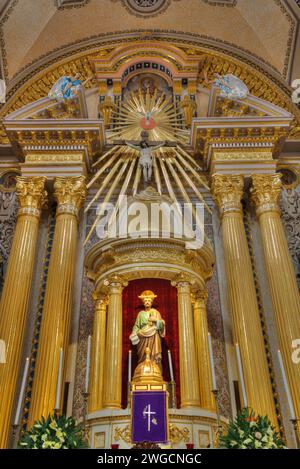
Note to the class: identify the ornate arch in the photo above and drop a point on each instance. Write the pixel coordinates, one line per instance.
(184, 52)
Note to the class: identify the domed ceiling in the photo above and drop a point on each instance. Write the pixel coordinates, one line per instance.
(31, 30)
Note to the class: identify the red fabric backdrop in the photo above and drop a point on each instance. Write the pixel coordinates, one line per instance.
(166, 303)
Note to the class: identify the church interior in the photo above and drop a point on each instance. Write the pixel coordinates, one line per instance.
(149, 217)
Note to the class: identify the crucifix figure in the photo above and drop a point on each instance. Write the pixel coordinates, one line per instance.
(146, 159)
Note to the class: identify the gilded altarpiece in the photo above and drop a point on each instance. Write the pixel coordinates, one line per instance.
(214, 316)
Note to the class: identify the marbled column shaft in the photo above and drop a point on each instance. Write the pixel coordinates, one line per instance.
(55, 330)
(15, 295)
(98, 355)
(112, 397)
(281, 274)
(189, 379)
(247, 332)
(207, 400)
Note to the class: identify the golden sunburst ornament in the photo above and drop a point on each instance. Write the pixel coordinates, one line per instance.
(154, 113)
(143, 119)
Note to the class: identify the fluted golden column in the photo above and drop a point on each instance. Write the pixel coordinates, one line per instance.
(189, 379)
(207, 400)
(228, 191)
(14, 301)
(98, 354)
(281, 274)
(55, 329)
(112, 397)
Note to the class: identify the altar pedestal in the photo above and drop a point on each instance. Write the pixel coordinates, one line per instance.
(198, 426)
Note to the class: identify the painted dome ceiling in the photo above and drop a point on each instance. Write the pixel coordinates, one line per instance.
(31, 30)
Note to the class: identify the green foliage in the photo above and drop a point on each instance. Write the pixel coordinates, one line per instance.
(250, 432)
(55, 432)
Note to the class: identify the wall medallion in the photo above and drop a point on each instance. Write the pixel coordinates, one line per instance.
(145, 7)
(148, 8)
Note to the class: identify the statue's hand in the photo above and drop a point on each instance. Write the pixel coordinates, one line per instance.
(152, 319)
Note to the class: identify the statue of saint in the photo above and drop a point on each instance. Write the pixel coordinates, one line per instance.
(148, 329)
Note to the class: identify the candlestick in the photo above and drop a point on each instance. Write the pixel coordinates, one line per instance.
(59, 381)
(22, 390)
(129, 365)
(171, 365)
(296, 430)
(15, 435)
(218, 432)
(240, 368)
(287, 388)
(2, 352)
(88, 361)
(212, 363)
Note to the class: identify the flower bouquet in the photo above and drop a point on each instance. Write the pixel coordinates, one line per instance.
(55, 432)
(248, 431)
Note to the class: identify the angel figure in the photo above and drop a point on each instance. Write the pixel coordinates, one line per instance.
(66, 87)
(230, 86)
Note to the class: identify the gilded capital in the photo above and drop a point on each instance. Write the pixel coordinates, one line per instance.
(227, 191)
(183, 281)
(115, 282)
(31, 194)
(100, 300)
(265, 192)
(70, 193)
(201, 296)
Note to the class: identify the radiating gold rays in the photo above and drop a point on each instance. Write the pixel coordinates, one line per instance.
(174, 171)
(155, 113)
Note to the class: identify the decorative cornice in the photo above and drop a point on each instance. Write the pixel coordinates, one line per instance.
(265, 192)
(228, 191)
(31, 194)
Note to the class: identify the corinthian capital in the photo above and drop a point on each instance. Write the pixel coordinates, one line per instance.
(70, 193)
(201, 296)
(265, 191)
(227, 191)
(31, 194)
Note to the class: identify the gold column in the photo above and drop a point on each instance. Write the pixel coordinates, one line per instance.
(98, 354)
(70, 194)
(113, 370)
(189, 379)
(207, 400)
(281, 274)
(228, 191)
(14, 301)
